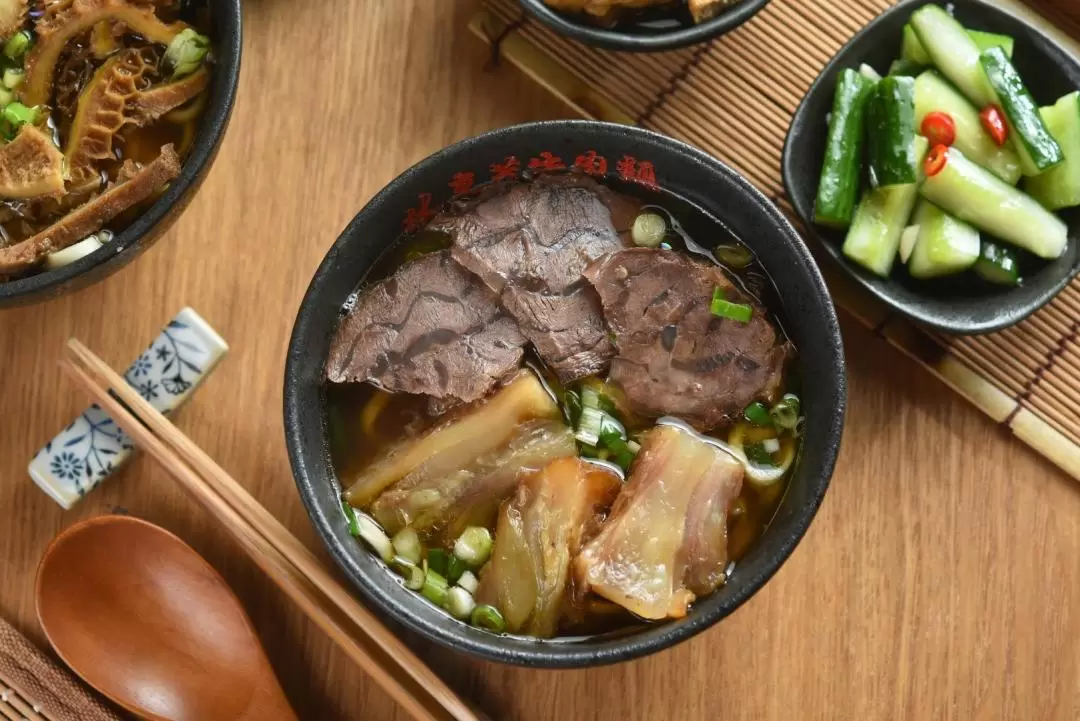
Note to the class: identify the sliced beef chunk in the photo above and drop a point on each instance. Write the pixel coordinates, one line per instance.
(530, 243)
(675, 357)
(431, 328)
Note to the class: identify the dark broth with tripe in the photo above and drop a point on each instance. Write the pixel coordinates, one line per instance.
(103, 102)
(366, 423)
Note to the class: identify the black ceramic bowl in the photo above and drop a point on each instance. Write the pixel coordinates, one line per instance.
(648, 36)
(959, 304)
(806, 309)
(225, 33)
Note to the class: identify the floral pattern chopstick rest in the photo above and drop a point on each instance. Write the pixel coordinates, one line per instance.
(92, 447)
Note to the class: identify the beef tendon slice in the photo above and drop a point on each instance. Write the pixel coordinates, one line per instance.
(530, 243)
(445, 504)
(459, 442)
(133, 186)
(539, 532)
(31, 166)
(675, 358)
(432, 328)
(665, 543)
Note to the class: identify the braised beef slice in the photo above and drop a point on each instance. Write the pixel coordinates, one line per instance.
(530, 243)
(675, 358)
(431, 328)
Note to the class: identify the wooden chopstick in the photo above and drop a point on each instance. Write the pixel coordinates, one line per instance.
(370, 644)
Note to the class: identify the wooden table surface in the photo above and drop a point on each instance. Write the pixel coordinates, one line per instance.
(941, 579)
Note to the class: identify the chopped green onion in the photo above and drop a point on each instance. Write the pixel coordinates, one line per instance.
(18, 114)
(771, 445)
(469, 582)
(785, 414)
(434, 588)
(350, 516)
(186, 52)
(17, 45)
(460, 603)
(7, 97)
(413, 574)
(407, 544)
(736, 256)
(455, 569)
(590, 397)
(571, 407)
(758, 414)
(374, 536)
(13, 78)
(474, 546)
(726, 309)
(649, 230)
(758, 455)
(438, 561)
(590, 424)
(488, 618)
(634, 446)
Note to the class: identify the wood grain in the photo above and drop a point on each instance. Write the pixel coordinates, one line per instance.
(941, 579)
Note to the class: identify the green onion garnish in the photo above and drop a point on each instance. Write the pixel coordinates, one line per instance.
(186, 52)
(407, 544)
(460, 603)
(571, 407)
(785, 414)
(758, 414)
(488, 618)
(735, 256)
(469, 582)
(371, 533)
(590, 424)
(473, 547)
(756, 454)
(455, 569)
(438, 561)
(726, 309)
(435, 588)
(350, 516)
(17, 45)
(18, 114)
(13, 78)
(413, 574)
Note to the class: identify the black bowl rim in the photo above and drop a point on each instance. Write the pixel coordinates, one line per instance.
(612, 40)
(130, 241)
(621, 648)
(930, 320)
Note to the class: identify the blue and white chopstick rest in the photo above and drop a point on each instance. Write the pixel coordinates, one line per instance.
(93, 447)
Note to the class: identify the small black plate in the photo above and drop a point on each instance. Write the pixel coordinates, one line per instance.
(645, 37)
(960, 304)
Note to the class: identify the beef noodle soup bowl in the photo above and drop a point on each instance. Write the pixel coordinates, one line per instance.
(111, 112)
(546, 399)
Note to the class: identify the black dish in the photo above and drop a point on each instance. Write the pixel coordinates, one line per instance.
(959, 304)
(804, 304)
(643, 38)
(226, 35)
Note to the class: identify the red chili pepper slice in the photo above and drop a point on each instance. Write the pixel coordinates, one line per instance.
(939, 128)
(936, 160)
(993, 119)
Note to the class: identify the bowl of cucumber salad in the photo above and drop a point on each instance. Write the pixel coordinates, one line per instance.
(937, 157)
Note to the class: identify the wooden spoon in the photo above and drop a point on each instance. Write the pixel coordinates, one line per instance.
(147, 622)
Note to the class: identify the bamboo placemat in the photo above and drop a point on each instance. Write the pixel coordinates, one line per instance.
(1027, 378)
